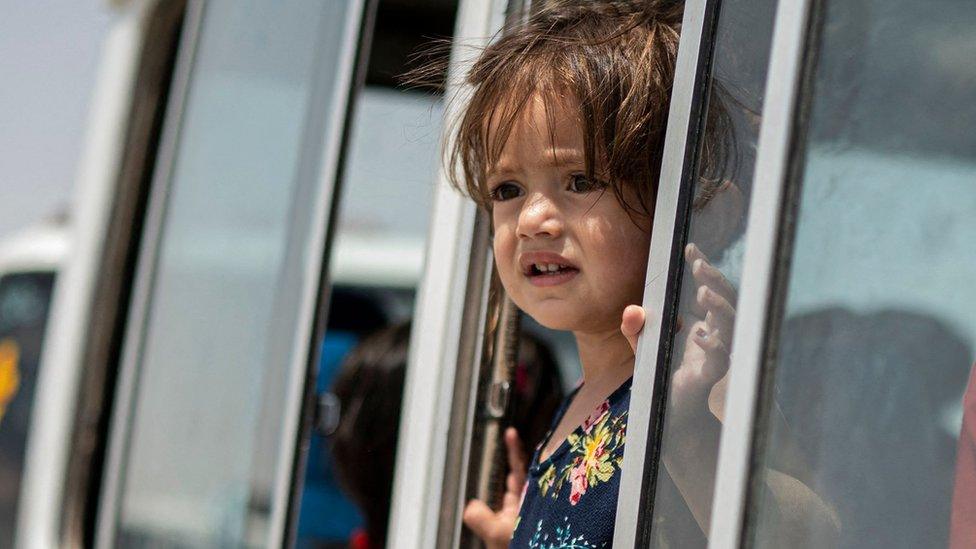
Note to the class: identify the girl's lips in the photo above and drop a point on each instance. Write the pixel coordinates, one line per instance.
(553, 279)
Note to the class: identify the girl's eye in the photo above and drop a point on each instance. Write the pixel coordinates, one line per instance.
(579, 183)
(505, 191)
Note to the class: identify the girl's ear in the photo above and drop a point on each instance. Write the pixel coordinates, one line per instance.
(715, 225)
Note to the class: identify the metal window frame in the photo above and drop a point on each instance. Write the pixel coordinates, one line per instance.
(329, 151)
(42, 519)
(145, 266)
(99, 359)
(337, 157)
(766, 215)
(304, 346)
(632, 526)
(444, 333)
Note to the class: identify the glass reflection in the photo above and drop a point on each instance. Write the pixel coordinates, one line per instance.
(877, 334)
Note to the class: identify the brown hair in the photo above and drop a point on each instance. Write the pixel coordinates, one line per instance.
(615, 61)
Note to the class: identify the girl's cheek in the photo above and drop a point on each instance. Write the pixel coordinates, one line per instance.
(503, 247)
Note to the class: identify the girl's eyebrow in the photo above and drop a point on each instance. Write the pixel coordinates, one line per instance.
(562, 157)
(554, 158)
(502, 170)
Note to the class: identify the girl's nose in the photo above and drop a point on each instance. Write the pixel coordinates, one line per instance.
(539, 217)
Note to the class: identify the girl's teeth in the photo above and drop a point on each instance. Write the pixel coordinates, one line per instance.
(548, 267)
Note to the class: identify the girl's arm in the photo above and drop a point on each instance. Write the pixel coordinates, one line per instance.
(696, 406)
(793, 509)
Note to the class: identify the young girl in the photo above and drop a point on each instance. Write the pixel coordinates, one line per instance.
(561, 142)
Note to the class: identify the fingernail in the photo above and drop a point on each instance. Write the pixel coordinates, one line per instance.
(702, 293)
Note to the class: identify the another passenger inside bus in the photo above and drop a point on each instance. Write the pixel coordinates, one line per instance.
(369, 390)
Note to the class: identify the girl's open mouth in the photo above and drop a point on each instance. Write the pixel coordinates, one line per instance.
(550, 274)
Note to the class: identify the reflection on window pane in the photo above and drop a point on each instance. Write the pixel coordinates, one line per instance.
(221, 318)
(878, 334)
(712, 262)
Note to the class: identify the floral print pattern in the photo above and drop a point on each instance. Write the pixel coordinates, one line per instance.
(596, 449)
(571, 497)
(562, 538)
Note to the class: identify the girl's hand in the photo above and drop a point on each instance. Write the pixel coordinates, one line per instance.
(702, 375)
(631, 324)
(495, 528)
(700, 382)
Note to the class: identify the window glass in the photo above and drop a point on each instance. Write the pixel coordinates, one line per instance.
(214, 359)
(25, 299)
(711, 263)
(374, 266)
(875, 332)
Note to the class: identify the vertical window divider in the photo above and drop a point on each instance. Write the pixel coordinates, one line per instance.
(752, 321)
(316, 253)
(668, 227)
(135, 324)
(439, 318)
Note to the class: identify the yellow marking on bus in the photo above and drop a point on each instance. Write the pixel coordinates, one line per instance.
(9, 373)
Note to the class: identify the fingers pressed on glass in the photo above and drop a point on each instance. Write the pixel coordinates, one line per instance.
(707, 274)
(720, 315)
(716, 362)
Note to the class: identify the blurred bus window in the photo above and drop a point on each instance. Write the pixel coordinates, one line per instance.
(876, 331)
(25, 298)
(377, 256)
(721, 183)
(201, 456)
(391, 167)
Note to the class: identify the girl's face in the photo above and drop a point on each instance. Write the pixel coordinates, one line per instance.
(566, 250)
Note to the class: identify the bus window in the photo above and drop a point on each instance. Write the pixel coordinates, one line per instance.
(203, 426)
(710, 203)
(374, 266)
(872, 331)
(24, 301)
(709, 258)
(374, 269)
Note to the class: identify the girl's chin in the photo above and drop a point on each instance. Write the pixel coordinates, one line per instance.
(566, 319)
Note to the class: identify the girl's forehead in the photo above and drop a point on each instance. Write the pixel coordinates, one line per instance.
(544, 127)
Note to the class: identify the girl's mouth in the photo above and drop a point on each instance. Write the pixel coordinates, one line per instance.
(550, 274)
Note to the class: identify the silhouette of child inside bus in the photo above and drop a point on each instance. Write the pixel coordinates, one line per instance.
(369, 389)
(561, 141)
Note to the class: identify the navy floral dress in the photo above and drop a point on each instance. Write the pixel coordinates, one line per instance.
(570, 499)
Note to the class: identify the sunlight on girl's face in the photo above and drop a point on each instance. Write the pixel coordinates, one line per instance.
(566, 251)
